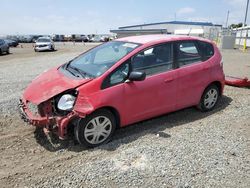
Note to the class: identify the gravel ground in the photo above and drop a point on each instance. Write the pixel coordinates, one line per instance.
(182, 149)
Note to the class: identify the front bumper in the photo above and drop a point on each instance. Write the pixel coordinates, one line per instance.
(56, 124)
(45, 48)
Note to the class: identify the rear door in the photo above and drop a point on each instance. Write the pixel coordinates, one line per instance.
(193, 74)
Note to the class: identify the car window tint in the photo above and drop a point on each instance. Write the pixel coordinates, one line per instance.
(207, 50)
(187, 53)
(154, 60)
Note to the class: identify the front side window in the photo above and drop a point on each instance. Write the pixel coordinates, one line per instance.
(154, 60)
(98, 60)
(187, 53)
(118, 76)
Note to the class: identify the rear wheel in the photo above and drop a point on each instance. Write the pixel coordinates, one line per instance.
(95, 129)
(8, 51)
(209, 98)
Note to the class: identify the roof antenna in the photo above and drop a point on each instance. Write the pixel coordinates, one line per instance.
(189, 31)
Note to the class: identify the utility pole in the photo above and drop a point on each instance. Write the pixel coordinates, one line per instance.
(244, 24)
(227, 18)
(245, 21)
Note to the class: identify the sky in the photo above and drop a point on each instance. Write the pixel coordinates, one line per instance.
(99, 16)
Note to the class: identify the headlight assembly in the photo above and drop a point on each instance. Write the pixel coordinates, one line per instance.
(66, 102)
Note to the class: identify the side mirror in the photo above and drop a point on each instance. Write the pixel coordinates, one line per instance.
(137, 76)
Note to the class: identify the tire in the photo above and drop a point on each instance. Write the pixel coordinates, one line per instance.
(209, 98)
(8, 51)
(92, 131)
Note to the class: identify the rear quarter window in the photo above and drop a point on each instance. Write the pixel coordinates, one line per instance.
(206, 49)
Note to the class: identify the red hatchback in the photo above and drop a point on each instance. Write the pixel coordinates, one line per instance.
(122, 82)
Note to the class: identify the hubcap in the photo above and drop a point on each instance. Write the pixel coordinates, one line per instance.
(210, 98)
(98, 130)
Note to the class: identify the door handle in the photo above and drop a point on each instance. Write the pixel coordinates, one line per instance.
(168, 80)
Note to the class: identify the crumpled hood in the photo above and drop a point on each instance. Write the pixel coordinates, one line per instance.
(49, 84)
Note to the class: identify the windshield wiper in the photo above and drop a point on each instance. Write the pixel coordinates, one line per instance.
(81, 73)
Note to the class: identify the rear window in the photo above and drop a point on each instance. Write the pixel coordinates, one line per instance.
(207, 50)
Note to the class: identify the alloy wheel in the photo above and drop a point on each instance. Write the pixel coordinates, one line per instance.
(98, 130)
(211, 98)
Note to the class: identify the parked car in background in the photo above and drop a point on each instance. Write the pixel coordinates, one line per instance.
(11, 43)
(151, 74)
(4, 47)
(96, 38)
(35, 37)
(26, 39)
(44, 44)
(80, 38)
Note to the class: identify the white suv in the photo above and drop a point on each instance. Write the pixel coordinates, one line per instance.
(44, 44)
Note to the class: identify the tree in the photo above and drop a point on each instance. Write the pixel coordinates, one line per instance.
(233, 26)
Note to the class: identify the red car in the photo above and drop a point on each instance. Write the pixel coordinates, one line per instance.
(122, 82)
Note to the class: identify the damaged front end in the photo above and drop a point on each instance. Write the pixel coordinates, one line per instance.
(53, 115)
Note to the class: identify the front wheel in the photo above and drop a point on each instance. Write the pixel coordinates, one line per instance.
(209, 98)
(95, 129)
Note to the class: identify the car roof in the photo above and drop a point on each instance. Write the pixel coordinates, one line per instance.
(144, 39)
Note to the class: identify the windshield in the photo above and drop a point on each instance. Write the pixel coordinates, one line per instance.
(43, 40)
(98, 60)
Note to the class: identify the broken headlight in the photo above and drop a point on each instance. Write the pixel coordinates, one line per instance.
(66, 102)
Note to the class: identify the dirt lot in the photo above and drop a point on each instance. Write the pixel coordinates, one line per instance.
(182, 149)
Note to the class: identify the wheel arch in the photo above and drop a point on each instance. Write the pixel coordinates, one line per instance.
(218, 84)
(114, 111)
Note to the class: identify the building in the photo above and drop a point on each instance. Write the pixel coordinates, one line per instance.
(242, 36)
(202, 29)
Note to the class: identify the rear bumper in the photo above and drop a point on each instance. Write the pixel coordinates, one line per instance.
(56, 124)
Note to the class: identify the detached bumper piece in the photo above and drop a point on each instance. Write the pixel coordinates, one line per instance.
(237, 82)
(56, 124)
(28, 117)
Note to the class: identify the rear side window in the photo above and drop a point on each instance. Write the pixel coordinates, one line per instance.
(207, 50)
(187, 53)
